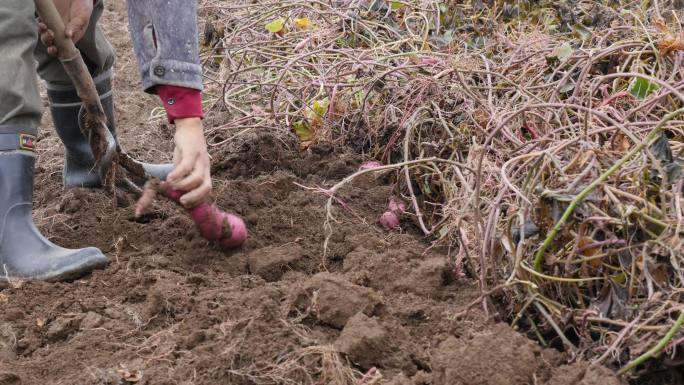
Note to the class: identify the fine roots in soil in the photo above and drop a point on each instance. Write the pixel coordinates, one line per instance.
(310, 365)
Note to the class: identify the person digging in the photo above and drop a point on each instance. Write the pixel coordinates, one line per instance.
(164, 35)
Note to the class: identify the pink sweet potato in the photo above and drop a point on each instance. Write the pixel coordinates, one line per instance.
(397, 207)
(370, 164)
(214, 224)
(389, 220)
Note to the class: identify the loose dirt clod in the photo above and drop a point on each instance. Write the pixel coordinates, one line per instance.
(365, 341)
(333, 300)
(578, 374)
(270, 263)
(8, 378)
(502, 357)
(62, 327)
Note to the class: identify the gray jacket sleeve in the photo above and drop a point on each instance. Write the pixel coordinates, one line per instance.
(165, 39)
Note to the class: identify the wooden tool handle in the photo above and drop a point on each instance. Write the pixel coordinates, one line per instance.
(101, 140)
(70, 57)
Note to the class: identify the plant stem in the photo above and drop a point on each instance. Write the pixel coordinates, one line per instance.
(555, 327)
(583, 194)
(656, 349)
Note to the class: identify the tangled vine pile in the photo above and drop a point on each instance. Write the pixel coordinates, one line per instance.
(540, 141)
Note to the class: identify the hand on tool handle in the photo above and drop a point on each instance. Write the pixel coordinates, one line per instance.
(192, 171)
(76, 17)
(189, 184)
(101, 140)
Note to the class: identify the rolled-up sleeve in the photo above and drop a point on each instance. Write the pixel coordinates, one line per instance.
(180, 102)
(165, 40)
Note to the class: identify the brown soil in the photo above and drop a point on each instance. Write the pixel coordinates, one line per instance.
(171, 309)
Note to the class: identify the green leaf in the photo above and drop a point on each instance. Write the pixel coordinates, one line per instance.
(569, 86)
(346, 42)
(302, 130)
(582, 32)
(358, 98)
(398, 5)
(563, 51)
(276, 25)
(640, 88)
(443, 231)
(619, 278)
(320, 107)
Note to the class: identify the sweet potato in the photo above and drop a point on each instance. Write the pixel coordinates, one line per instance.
(214, 224)
(390, 218)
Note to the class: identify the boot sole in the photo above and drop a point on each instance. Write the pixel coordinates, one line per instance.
(66, 275)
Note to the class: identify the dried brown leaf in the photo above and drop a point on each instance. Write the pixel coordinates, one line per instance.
(670, 41)
(130, 376)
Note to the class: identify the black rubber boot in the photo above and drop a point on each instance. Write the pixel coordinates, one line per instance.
(24, 252)
(65, 106)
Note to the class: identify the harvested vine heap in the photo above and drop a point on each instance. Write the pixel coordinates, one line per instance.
(561, 123)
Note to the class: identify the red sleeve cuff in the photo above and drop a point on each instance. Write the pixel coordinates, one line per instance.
(180, 102)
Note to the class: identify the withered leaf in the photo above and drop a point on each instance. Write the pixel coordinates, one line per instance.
(129, 376)
(529, 229)
(585, 248)
(612, 300)
(670, 41)
(662, 151)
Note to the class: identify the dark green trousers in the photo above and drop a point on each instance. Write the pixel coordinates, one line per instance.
(23, 56)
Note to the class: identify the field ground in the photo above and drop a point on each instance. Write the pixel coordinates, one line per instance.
(381, 308)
